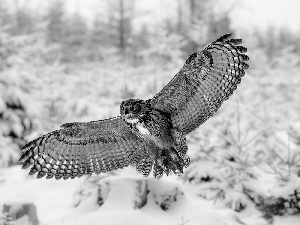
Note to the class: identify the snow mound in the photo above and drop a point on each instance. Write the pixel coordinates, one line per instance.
(112, 200)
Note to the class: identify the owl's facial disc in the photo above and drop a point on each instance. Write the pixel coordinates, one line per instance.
(131, 109)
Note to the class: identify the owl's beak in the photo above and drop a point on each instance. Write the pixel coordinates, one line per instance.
(128, 116)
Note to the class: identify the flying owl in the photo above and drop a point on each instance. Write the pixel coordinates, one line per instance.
(149, 134)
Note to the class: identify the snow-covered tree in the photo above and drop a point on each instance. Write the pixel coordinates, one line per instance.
(15, 122)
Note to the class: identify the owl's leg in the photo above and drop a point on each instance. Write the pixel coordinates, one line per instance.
(158, 168)
(170, 162)
(175, 161)
(179, 141)
(181, 147)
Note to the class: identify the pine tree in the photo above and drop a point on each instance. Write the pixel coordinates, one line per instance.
(74, 41)
(55, 22)
(14, 120)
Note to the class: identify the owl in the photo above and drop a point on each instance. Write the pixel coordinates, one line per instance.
(148, 134)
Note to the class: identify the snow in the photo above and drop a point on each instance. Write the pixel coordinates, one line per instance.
(54, 202)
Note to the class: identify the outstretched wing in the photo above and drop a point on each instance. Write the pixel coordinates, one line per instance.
(80, 148)
(207, 79)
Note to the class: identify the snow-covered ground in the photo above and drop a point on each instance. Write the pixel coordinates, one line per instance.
(57, 202)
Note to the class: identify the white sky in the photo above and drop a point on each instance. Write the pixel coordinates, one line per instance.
(246, 14)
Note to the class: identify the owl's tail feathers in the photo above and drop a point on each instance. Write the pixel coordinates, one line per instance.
(145, 166)
(158, 170)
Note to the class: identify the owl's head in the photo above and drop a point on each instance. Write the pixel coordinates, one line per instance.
(132, 109)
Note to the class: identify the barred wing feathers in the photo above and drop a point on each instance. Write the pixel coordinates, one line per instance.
(82, 148)
(205, 81)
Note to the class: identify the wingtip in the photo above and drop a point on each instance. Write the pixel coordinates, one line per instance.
(223, 38)
(22, 158)
(25, 165)
(25, 155)
(29, 145)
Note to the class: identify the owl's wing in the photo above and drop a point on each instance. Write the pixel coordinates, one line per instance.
(207, 79)
(79, 148)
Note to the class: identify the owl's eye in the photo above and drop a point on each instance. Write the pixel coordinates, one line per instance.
(137, 108)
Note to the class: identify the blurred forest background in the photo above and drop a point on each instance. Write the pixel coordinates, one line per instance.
(58, 67)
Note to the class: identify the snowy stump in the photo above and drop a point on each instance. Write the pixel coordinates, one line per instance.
(129, 192)
(21, 212)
